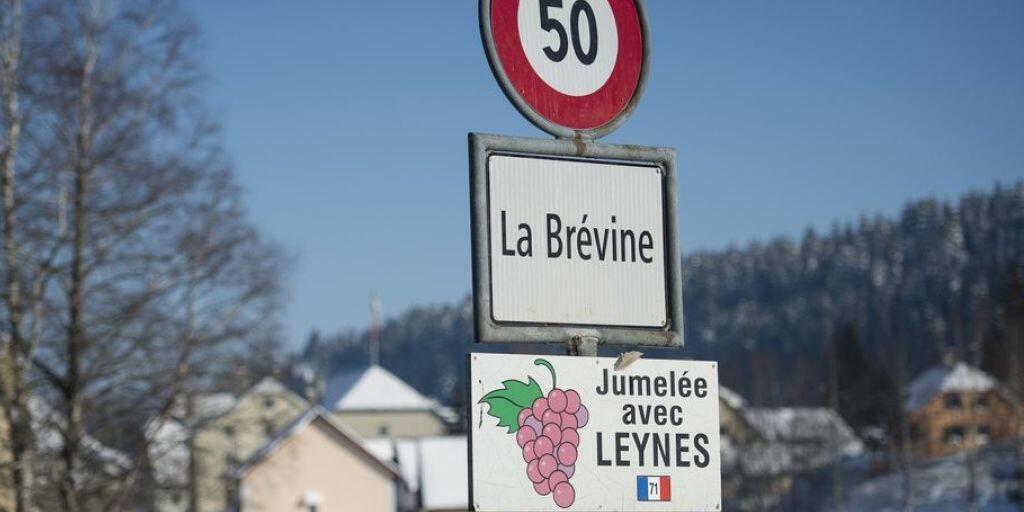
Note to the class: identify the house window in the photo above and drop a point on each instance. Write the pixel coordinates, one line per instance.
(953, 435)
(229, 430)
(981, 402)
(312, 500)
(983, 434)
(915, 431)
(268, 402)
(268, 429)
(953, 401)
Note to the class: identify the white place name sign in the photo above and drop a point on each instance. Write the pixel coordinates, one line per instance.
(577, 242)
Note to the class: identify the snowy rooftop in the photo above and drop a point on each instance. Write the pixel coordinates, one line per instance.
(209, 406)
(47, 425)
(323, 417)
(803, 425)
(444, 474)
(212, 405)
(270, 386)
(942, 378)
(168, 450)
(758, 460)
(373, 388)
(731, 398)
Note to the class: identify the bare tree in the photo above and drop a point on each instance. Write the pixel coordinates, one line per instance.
(1013, 326)
(14, 387)
(972, 437)
(158, 276)
(903, 432)
(833, 393)
(30, 248)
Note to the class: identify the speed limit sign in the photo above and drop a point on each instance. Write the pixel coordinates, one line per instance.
(575, 68)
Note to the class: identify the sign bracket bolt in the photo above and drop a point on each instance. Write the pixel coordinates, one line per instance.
(582, 346)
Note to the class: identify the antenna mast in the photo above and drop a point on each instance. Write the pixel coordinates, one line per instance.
(374, 329)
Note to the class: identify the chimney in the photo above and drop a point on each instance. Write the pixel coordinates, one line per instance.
(949, 358)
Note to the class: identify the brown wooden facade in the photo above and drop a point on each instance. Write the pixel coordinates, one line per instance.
(954, 420)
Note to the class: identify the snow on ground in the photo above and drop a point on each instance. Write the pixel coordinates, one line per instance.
(436, 467)
(941, 485)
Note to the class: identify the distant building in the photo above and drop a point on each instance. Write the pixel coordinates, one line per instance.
(754, 475)
(318, 465)
(435, 469)
(814, 437)
(194, 453)
(732, 418)
(376, 403)
(953, 406)
(764, 449)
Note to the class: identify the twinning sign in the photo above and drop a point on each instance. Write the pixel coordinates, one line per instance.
(573, 433)
(577, 241)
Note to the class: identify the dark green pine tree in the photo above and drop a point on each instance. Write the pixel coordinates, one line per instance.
(866, 395)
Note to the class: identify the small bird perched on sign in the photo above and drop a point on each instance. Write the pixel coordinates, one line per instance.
(627, 358)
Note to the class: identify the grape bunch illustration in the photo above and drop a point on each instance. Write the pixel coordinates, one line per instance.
(546, 428)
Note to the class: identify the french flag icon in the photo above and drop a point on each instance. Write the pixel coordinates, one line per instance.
(653, 488)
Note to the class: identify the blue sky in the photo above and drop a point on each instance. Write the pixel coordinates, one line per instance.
(347, 122)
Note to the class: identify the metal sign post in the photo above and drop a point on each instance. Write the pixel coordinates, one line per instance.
(576, 242)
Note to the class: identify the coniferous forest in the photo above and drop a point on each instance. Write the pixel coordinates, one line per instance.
(885, 297)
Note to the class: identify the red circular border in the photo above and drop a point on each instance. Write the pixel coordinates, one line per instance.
(576, 112)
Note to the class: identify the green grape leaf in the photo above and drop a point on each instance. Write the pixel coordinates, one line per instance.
(506, 403)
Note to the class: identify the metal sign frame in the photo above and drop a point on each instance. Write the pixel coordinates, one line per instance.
(488, 330)
(557, 130)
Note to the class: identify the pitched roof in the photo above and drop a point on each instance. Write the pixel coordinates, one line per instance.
(731, 398)
(757, 459)
(943, 378)
(168, 449)
(318, 415)
(47, 425)
(798, 425)
(209, 406)
(373, 388)
(168, 452)
(270, 385)
(436, 467)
